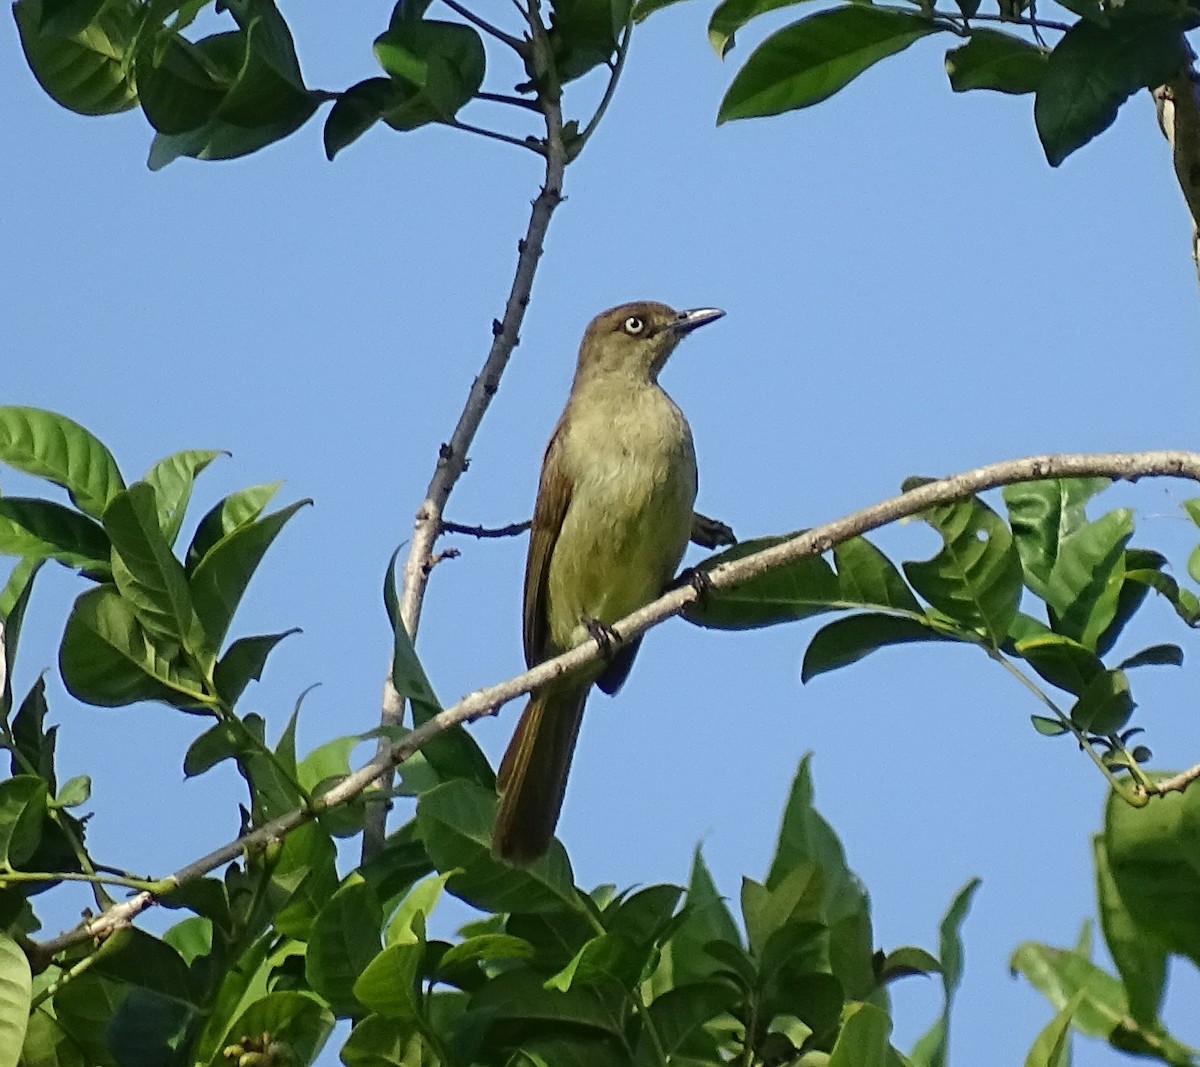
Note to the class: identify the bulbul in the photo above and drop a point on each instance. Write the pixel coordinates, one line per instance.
(611, 522)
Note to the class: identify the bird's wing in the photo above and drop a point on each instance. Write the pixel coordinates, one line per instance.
(554, 496)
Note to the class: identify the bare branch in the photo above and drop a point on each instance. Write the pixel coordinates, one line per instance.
(511, 530)
(1128, 466)
(515, 43)
(505, 336)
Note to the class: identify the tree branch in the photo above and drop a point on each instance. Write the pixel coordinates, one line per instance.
(452, 456)
(1127, 466)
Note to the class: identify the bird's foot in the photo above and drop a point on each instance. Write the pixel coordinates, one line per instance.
(699, 580)
(607, 639)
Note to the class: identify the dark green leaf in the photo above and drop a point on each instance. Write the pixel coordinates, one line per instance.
(34, 743)
(358, 108)
(220, 578)
(1105, 705)
(995, 60)
(812, 59)
(797, 590)
(643, 9)
(731, 15)
(265, 100)
(848, 640)
(584, 33)
(976, 578)
(243, 662)
(176, 85)
(65, 18)
(1140, 958)
(706, 919)
(218, 743)
(1058, 659)
(441, 64)
(1094, 69)
(134, 956)
(1085, 584)
(345, 938)
(297, 1020)
(909, 960)
(1154, 655)
(455, 821)
(149, 1029)
(84, 72)
(41, 529)
(61, 451)
(108, 659)
(23, 800)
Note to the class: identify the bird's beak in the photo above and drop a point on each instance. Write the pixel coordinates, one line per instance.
(690, 320)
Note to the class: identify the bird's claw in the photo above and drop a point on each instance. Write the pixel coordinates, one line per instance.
(607, 639)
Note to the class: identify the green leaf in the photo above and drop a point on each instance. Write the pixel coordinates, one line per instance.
(33, 742)
(995, 60)
(1094, 69)
(643, 9)
(134, 956)
(1140, 958)
(358, 108)
(1052, 1046)
(846, 641)
(1048, 727)
(731, 15)
(706, 918)
(218, 743)
(146, 572)
(863, 1041)
(387, 985)
(1152, 855)
(14, 599)
(584, 34)
(65, 18)
(219, 580)
(243, 663)
(265, 101)
(867, 578)
(107, 658)
(176, 84)
(798, 590)
(172, 479)
(148, 1028)
(1043, 514)
(453, 753)
(77, 791)
(455, 822)
(931, 1049)
(976, 578)
(345, 939)
(440, 64)
(1062, 974)
(295, 1019)
(679, 1015)
(1058, 659)
(61, 451)
(236, 510)
(16, 993)
(84, 72)
(1084, 586)
(905, 961)
(23, 801)
(519, 995)
(1105, 706)
(812, 59)
(41, 529)
(1156, 656)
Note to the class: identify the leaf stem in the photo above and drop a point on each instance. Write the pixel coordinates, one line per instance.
(614, 77)
(495, 135)
(515, 43)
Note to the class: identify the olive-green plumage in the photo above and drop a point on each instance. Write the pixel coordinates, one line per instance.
(611, 522)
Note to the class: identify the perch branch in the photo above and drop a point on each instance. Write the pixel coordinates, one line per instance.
(1128, 466)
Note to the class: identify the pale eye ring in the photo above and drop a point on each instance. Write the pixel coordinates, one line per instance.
(634, 325)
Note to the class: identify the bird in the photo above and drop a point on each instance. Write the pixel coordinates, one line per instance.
(610, 525)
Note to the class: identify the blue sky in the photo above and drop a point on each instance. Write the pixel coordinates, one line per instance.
(910, 290)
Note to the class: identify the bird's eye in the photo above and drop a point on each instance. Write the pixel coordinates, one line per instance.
(634, 325)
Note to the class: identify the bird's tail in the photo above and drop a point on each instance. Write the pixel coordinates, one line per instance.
(533, 773)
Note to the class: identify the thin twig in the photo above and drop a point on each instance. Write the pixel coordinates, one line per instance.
(511, 530)
(495, 135)
(614, 77)
(1128, 466)
(452, 456)
(515, 101)
(515, 43)
(1176, 784)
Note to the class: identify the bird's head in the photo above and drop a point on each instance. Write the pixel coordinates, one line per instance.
(638, 338)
